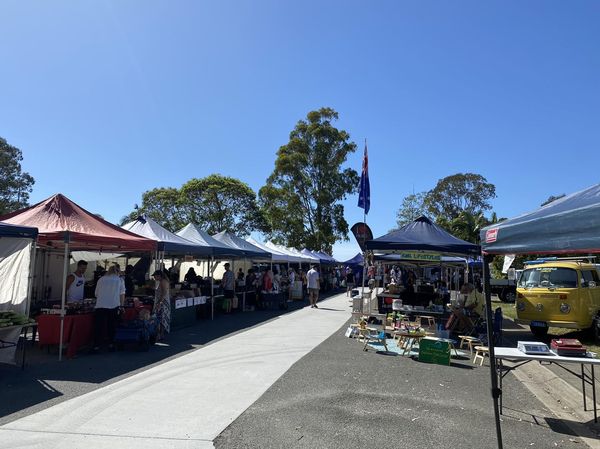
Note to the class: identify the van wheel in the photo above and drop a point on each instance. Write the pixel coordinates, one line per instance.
(540, 332)
(509, 296)
(595, 330)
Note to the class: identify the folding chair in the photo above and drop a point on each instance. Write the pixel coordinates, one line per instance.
(376, 338)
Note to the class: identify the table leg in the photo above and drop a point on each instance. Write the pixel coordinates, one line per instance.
(594, 394)
(499, 369)
(24, 347)
(583, 387)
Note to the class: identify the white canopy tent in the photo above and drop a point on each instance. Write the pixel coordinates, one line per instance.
(17, 248)
(300, 258)
(277, 256)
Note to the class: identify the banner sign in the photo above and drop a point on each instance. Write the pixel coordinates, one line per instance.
(417, 256)
(362, 233)
(491, 235)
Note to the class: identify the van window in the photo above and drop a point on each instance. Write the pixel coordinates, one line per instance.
(590, 276)
(548, 277)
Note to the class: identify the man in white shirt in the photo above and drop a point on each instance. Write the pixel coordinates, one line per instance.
(312, 278)
(110, 297)
(76, 282)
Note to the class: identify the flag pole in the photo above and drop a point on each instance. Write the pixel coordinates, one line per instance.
(362, 293)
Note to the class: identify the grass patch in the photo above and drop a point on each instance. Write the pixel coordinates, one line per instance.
(509, 311)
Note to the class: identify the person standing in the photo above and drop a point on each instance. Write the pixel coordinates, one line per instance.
(227, 283)
(110, 297)
(76, 282)
(128, 280)
(162, 303)
(313, 281)
(291, 282)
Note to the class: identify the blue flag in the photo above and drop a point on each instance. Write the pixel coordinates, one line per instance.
(364, 193)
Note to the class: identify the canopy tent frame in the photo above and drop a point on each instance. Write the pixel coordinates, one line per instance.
(567, 225)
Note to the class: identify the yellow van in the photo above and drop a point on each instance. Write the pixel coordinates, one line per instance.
(559, 292)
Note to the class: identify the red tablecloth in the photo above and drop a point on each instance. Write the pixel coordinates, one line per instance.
(131, 313)
(78, 331)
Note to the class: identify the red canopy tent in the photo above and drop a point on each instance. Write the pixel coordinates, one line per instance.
(62, 224)
(59, 221)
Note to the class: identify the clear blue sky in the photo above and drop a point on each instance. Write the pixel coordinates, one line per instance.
(107, 99)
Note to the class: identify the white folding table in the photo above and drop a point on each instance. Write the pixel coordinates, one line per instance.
(520, 359)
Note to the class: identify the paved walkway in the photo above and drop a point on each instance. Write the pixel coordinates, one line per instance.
(185, 402)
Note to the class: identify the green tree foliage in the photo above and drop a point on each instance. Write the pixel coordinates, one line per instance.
(412, 208)
(462, 192)
(465, 226)
(163, 205)
(15, 185)
(301, 199)
(552, 198)
(215, 203)
(220, 203)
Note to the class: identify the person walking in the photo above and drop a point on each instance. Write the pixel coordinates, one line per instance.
(349, 281)
(313, 281)
(110, 297)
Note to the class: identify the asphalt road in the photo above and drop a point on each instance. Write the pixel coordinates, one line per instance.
(338, 396)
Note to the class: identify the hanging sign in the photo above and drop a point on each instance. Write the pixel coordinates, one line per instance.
(188, 258)
(427, 257)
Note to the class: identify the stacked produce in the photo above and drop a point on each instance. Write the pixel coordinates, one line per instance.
(10, 318)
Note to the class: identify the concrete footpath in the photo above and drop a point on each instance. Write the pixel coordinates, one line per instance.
(185, 402)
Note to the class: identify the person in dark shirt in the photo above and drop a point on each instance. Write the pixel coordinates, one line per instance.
(191, 277)
(128, 279)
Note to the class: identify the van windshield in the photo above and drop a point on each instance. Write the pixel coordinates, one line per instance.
(548, 277)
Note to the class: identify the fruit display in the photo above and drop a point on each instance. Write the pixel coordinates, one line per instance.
(10, 318)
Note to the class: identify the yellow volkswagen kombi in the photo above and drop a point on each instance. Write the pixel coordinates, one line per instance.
(559, 292)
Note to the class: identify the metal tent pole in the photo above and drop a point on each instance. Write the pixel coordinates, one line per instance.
(496, 392)
(63, 297)
(31, 277)
(212, 288)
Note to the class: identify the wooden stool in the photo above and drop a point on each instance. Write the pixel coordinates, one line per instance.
(480, 353)
(429, 319)
(467, 340)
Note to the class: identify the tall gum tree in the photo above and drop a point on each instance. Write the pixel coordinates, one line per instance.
(301, 200)
(15, 185)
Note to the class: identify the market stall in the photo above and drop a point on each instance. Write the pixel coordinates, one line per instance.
(250, 252)
(567, 225)
(17, 246)
(63, 227)
(420, 242)
(186, 305)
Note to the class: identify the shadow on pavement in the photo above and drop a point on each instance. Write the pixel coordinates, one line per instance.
(46, 379)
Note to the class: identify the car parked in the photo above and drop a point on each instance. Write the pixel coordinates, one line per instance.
(559, 293)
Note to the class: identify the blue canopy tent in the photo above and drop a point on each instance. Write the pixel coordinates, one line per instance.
(422, 235)
(10, 230)
(17, 259)
(325, 258)
(356, 260)
(567, 225)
